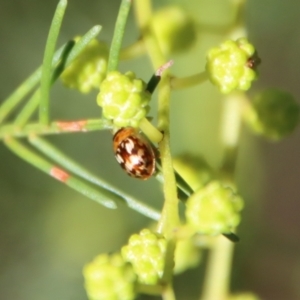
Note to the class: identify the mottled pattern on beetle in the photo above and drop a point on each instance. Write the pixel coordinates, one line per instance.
(134, 154)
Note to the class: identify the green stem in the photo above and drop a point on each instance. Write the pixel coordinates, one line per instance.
(182, 83)
(217, 277)
(230, 131)
(115, 48)
(83, 42)
(28, 110)
(169, 218)
(56, 127)
(101, 196)
(72, 166)
(143, 12)
(47, 61)
(168, 293)
(133, 51)
(153, 134)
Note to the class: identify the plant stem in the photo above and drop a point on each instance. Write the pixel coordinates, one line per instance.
(216, 284)
(116, 44)
(218, 275)
(143, 12)
(101, 196)
(54, 128)
(72, 166)
(47, 61)
(83, 42)
(182, 83)
(168, 293)
(28, 109)
(133, 51)
(153, 134)
(230, 131)
(169, 218)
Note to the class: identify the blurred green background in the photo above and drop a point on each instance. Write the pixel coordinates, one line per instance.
(48, 232)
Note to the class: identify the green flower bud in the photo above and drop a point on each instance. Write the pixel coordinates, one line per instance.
(146, 252)
(123, 99)
(213, 209)
(109, 278)
(187, 255)
(273, 113)
(194, 170)
(232, 65)
(174, 29)
(244, 296)
(88, 70)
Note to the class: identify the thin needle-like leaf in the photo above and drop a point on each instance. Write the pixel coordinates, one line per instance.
(47, 61)
(116, 44)
(69, 164)
(101, 196)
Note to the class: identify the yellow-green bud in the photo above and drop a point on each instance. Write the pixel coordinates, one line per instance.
(146, 252)
(273, 114)
(108, 277)
(174, 29)
(232, 65)
(214, 209)
(124, 99)
(88, 70)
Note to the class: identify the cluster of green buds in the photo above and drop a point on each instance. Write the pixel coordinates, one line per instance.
(109, 277)
(273, 113)
(123, 99)
(88, 70)
(214, 209)
(146, 252)
(174, 29)
(232, 65)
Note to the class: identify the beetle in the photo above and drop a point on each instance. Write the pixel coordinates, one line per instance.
(134, 153)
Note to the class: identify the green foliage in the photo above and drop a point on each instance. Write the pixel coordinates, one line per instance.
(212, 210)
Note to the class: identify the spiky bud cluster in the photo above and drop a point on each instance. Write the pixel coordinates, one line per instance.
(108, 277)
(124, 99)
(88, 70)
(214, 209)
(232, 65)
(146, 252)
